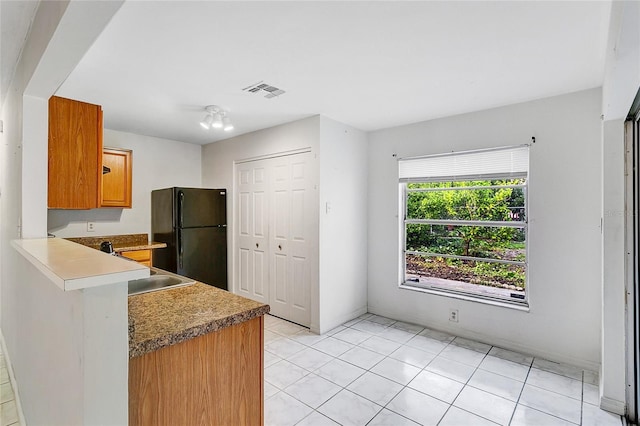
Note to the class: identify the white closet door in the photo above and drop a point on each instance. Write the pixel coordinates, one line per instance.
(289, 233)
(273, 214)
(252, 231)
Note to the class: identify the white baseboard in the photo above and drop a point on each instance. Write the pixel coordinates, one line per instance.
(490, 340)
(613, 405)
(341, 320)
(12, 379)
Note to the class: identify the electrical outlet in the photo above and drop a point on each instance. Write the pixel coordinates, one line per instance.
(453, 315)
(91, 226)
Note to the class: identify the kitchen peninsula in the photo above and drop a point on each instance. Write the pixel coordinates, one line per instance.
(196, 357)
(206, 342)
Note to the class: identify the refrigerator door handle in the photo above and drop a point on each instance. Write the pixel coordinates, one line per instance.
(181, 207)
(180, 250)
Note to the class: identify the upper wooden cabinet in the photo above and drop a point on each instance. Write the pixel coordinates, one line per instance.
(116, 178)
(75, 154)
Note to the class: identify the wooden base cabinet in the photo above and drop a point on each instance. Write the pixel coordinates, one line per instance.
(214, 379)
(141, 256)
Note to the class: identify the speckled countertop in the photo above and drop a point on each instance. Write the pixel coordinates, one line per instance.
(129, 242)
(163, 318)
(148, 246)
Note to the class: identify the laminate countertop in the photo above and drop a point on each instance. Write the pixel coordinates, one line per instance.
(73, 267)
(167, 317)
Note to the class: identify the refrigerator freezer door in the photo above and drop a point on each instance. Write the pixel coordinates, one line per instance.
(163, 229)
(201, 207)
(202, 255)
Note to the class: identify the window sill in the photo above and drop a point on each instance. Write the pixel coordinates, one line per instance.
(523, 307)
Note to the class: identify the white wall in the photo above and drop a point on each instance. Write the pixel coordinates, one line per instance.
(48, 383)
(339, 289)
(157, 163)
(621, 83)
(622, 67)
(612, 387)
(343, 223)
(564, 226)
(43, 28)
(218, 161)
(61, 34)
(56, 377)
(64, 339)
(10, 198)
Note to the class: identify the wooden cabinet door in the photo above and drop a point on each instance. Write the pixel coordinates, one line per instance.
(140, 256)
(116, 178)
(75, 154)
(215, 379)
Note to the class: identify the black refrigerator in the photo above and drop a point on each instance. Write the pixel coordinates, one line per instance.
(193, 224)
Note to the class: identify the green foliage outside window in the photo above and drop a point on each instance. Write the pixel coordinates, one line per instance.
(495, 203)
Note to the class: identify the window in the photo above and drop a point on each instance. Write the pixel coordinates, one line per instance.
(465, 223)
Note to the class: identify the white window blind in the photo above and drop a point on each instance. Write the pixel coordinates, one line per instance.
(497, 162)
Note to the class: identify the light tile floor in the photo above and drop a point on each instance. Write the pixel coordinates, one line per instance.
(377, 371)
(8, 410)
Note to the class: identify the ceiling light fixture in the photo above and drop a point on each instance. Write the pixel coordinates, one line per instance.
(206, 123)
(216, 118)
(217, 121)
(227, 124)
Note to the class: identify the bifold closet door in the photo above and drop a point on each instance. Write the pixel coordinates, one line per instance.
(251, 230)
(289, 233)
(273, 213)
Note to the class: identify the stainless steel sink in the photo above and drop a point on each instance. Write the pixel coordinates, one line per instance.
(158, 280)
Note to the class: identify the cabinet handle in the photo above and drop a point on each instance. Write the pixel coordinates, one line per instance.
(257, 245)
(279, 246)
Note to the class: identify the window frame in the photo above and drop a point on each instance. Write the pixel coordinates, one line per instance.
(404, 221)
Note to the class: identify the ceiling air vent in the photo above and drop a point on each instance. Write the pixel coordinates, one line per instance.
(264, 88)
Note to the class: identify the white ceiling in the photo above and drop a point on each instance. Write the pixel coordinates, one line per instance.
(371, 65)
(15, 21)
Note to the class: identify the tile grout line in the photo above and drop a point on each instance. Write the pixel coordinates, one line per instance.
(369, 370)
(547, 390)
(582, 398)
(459, 392)
(521, 390)
(467, 384)
(449, 342)
(383, 407)
(8, 382)
(366, 371)
(401, 345)
(530, 367)
(342, 387)
(424, 369)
